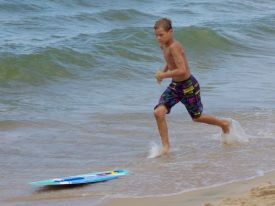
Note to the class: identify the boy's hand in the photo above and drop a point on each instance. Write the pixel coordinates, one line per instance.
(158, 76)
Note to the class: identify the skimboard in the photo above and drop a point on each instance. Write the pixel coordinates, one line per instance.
(82, 179)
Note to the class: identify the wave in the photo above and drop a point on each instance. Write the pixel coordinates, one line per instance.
(137, 43)
(107, 20)
(19, 6)
(204, 39)
(128, 51)
(123, 15)
(43, 66)
(262, 26)
(131, 49)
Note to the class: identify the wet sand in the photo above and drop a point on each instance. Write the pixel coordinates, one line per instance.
(259, 191)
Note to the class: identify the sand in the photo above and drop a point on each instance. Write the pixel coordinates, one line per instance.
(259, 191)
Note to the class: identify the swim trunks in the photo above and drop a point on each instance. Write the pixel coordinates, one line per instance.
(187, 92)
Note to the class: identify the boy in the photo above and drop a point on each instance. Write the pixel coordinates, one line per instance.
(184, 87)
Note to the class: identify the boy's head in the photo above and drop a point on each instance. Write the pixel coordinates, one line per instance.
(163, 23)
(163, 31)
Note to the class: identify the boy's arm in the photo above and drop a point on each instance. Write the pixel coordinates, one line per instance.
(165, 69)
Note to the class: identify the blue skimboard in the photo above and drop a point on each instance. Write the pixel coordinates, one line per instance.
(82, 179)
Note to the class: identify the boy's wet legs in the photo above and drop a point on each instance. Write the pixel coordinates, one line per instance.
(160, 114)
(208, 119)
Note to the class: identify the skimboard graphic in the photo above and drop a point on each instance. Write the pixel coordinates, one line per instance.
(82, 179)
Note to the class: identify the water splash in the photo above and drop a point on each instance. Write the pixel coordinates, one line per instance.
(236, 134)
(155, 151)
(260, 172)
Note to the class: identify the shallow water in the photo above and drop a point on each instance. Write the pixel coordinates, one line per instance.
(46, 149)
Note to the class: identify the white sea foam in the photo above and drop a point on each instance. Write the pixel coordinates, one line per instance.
(155, 150)
(236, 134)
(260, 172)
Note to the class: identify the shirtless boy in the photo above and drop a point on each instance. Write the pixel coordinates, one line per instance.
(184, 87)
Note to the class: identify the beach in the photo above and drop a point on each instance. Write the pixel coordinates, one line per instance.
(259, 191)
(78, 91)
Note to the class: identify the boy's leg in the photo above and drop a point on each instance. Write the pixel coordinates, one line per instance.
(160, 113)
(208, 119)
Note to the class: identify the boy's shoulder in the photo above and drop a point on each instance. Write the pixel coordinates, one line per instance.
(176, 45)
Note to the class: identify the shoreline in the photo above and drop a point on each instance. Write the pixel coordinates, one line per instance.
(236, 193)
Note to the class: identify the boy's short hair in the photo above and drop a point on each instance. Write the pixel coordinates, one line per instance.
(165, 23)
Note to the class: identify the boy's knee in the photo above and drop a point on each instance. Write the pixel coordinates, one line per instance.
(160, 112)
(196, 118)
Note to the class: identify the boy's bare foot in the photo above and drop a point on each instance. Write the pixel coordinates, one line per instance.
(165, 151)
(226, 126)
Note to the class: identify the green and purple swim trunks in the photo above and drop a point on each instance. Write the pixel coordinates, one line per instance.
(187, 92)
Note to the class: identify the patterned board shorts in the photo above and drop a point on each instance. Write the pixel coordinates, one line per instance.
(188, 92)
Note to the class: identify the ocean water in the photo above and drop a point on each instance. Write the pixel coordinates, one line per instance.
(77, 94)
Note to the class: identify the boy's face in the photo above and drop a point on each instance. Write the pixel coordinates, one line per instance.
(163, 36)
